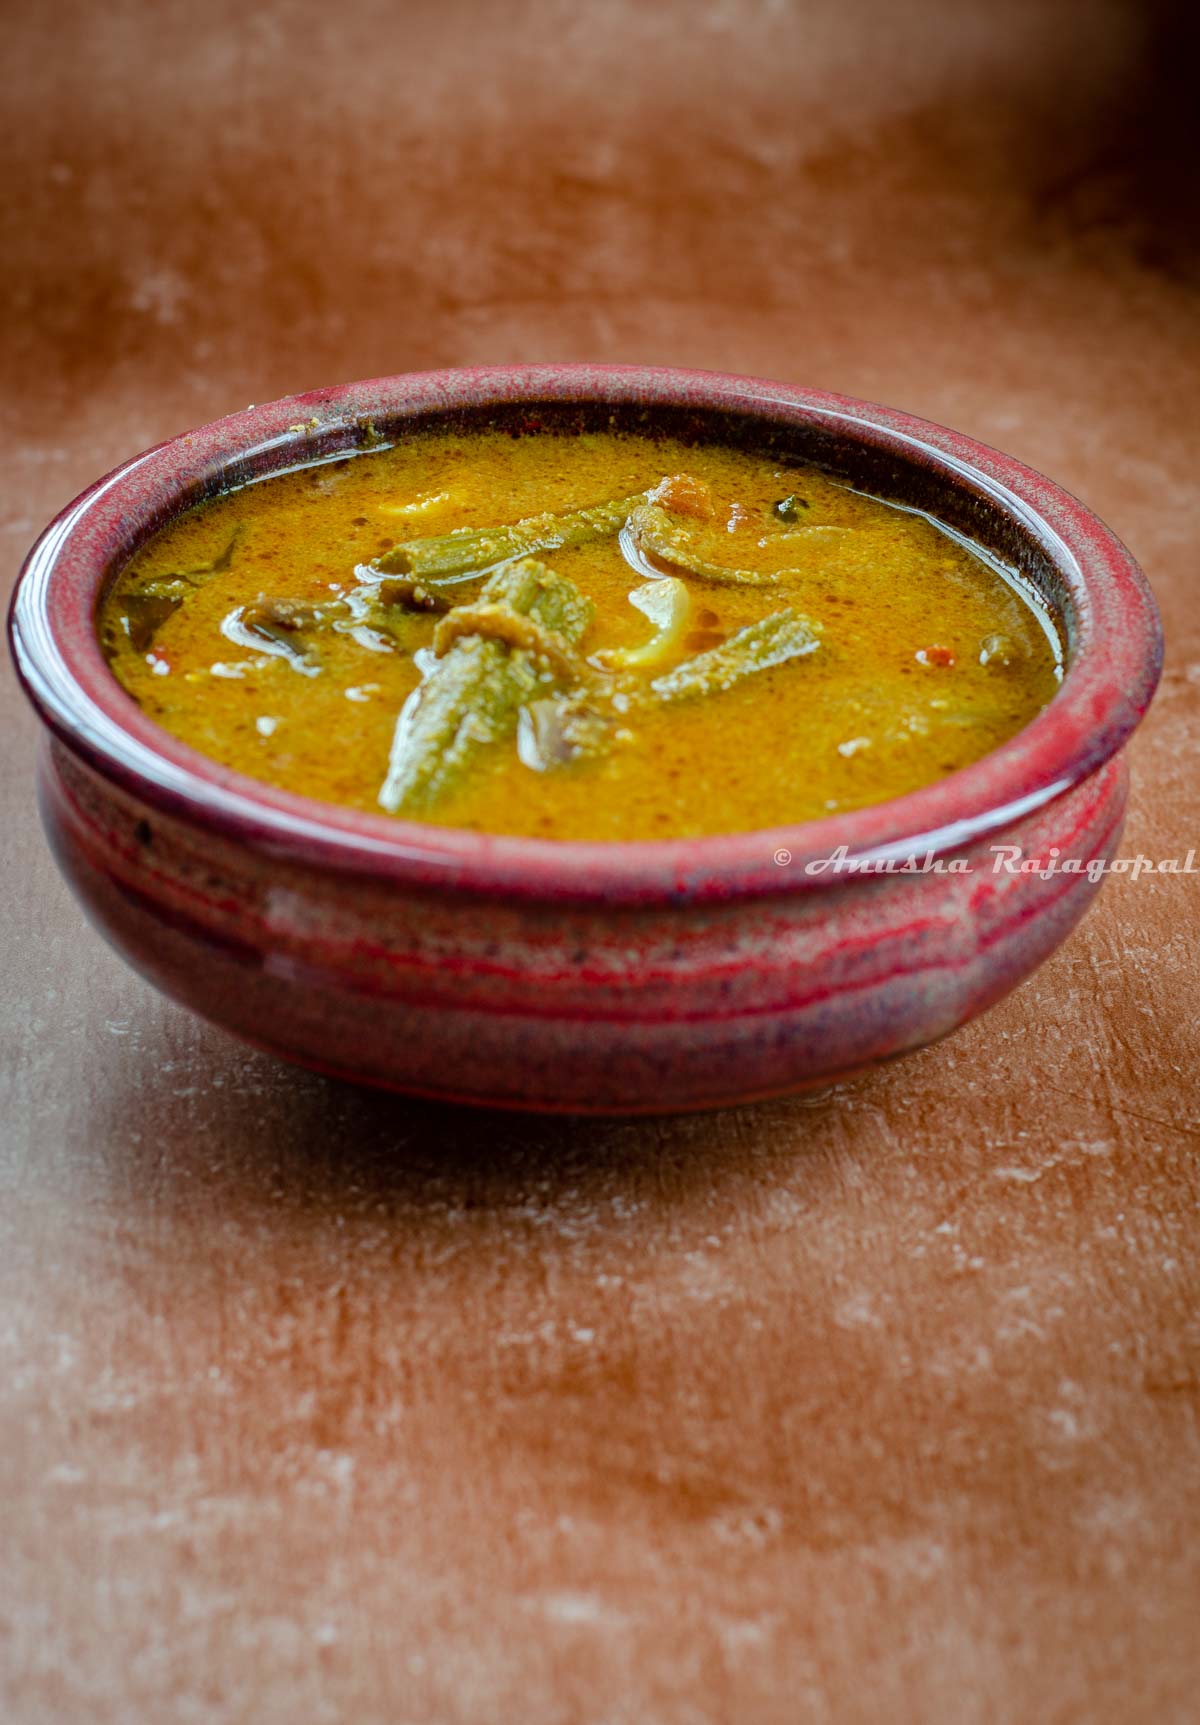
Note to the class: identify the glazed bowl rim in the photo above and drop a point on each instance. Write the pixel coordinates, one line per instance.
(1114, 664)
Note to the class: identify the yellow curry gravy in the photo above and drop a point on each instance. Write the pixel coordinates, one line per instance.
(919, 655)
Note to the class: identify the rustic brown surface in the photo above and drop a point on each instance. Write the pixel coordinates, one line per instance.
(318, 1406)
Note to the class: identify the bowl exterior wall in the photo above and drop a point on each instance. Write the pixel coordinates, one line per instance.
(554, 1005)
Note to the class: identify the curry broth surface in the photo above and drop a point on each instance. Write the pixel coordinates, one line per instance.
(894, 697)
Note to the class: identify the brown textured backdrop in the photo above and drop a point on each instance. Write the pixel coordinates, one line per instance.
(317, 1406)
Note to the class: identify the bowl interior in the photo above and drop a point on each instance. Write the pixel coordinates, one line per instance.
(1082, 576)
(904, 475)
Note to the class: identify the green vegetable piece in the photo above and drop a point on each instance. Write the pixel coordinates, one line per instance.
(468, 550)
(771, 641)
(469, 701)
(149, 605)
(144, 616)
(387, 614)
(221, 563)
(409, 595)
(552, 601)
(163, 594)
(176, 586)
(473, 693)
(788, 508)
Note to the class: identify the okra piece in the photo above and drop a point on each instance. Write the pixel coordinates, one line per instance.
(771, 641)
(474, 691)
(408, 595)
(525, 606)
(513, 629)
(537, 592)
(469, 701)
(467, 550)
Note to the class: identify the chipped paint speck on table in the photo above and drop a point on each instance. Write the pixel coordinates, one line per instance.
(323, 1406)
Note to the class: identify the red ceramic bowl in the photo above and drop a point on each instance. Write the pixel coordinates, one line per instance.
(591, 977)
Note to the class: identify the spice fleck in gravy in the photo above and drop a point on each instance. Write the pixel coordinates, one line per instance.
(596, 636)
